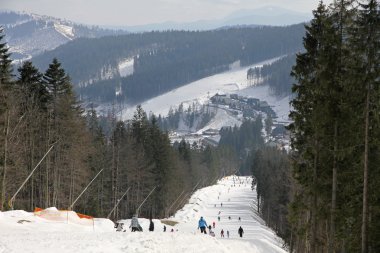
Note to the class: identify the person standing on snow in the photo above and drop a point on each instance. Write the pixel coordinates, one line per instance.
(151, 226)
(164, 228)
(241, 231)
(213, 224)
(222, 233)
(228, 234)
(134, 223)
(202, 224)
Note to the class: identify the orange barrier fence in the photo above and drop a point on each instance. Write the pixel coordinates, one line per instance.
(82, 216)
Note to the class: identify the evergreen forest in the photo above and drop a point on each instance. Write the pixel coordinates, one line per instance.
(324, 196)
(163, 61)
(46, 134)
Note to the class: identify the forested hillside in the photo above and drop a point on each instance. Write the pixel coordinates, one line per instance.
(166, 60)
(45, 134)
(333, 194)
(276, 75)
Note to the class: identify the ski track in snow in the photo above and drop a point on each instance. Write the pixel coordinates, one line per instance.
(36, 234)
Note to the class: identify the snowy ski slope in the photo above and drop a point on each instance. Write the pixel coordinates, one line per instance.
(201, 90)
(22, 231)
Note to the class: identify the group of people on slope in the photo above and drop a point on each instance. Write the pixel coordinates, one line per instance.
(135, 225)
(202, 225)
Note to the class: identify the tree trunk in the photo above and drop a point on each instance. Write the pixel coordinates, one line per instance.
(331, 247)
(3, 181)
(365, 176)
(313, 244)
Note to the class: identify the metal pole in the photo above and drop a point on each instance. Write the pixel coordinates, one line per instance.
(11, 201)
(117, 203)
(186, 195)
(175, 201)
(196, 185)
(138, 209)
(71, 206)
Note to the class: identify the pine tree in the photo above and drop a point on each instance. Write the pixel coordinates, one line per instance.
(31, 86)
(365, 38)
(5, 90)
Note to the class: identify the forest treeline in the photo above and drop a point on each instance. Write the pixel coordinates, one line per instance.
(166, 60)
(194, 117)
(276, 75)
(40, 116)
(331, 188)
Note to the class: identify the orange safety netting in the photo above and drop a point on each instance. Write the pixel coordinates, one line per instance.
(82, 216)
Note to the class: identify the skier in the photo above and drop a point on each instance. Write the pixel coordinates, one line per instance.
(151, 226)
(241, 231)
(211, 233)
(202, 224)
(213, 224)
(218, 218)
(164, 228)
(239, 219)
(135, 224)
(221, 204)
(228, 234)
(229, 217)
(119, 226)
(222, 233)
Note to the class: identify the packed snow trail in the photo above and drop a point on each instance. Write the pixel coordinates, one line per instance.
(54, 231)
(232, 197)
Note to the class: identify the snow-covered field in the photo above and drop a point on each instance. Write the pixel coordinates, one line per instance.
(200, 91)
(54, 231)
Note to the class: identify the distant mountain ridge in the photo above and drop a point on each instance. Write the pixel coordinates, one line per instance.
(30, 34)
(270, 15)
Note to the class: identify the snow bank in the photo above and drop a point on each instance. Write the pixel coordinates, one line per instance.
(52, 214)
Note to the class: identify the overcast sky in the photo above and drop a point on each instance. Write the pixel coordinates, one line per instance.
(137, 12)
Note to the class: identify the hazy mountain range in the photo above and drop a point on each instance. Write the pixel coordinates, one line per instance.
(269, 15)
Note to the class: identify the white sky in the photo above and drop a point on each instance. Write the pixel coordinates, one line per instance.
(137, 12)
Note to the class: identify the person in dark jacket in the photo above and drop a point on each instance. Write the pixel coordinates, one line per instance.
(202, 224)
(164, 228)
(241, 231)
(151, 226)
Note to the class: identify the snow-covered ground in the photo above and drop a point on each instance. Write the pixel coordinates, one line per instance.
(53, 231)
(126, 67)
(65, 30)
(223, 118)
(199, 91)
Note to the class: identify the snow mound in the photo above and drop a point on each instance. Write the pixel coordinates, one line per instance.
(53, 214)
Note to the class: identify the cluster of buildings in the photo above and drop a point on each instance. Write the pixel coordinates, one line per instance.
(249, 106)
